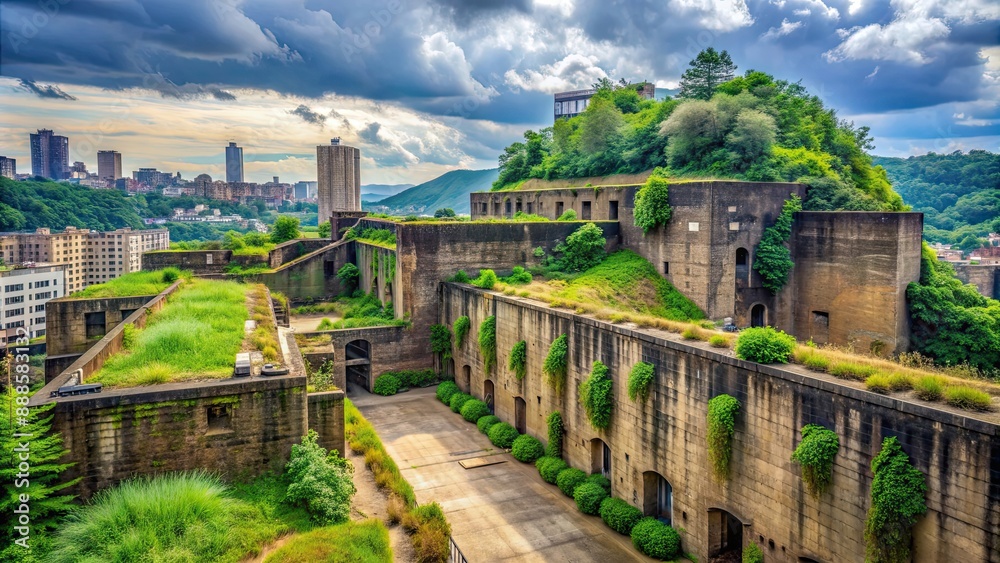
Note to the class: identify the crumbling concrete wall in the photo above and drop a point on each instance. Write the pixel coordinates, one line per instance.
(985, 277)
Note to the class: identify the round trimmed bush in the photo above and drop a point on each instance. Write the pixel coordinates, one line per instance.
(475, 409)
(549, 468)
(458, 401)
(445, 390)
(485, 423)
(387, 384)
(656, 539)
(601, 480)
(619, 515)
(527, 449)
(502, 435)
(588, 497)
(569, 479)
(764, 345)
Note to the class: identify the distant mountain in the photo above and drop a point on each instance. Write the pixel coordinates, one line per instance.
(375, 192)
(451, 189)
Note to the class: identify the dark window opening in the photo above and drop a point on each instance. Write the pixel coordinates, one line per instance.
(482, 208)
(488, 394)
(520, 415)
(613, 210)
(126, 313)
(820, 330)
(666, 268)
(758, 315)
(559, 209)
(531, 208)
(600, 457)
(219, 419)
(586, 210)
(518, 207)
(742, 266)
(506, 207)
(95, 324)
(725, 534)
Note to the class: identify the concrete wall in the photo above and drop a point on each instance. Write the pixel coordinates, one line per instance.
(312, 277)
(848, 286)
(326, 417)
(986, 278)
(199, 261)
(290, 250)
(388, 347)
(666, 435)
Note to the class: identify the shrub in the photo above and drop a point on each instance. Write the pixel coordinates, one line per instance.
(764, 345)
(387, 384)
(517, 361)
(583, 249)
(929, 387)
(772, 259)
(721, 426)
(967, 398)
(549, 468)
(415, 377)
(619, 515)
(556, 365)
(851, 370)
(888, 382)
(554, 446)
(569, 479)
(596, 396)
(486, 279)
(568, 215)
(461, 329)
(815, 454)
(458, 401)
(527, 449)
(753, 554)
(486, 422)
(441, 341)
(897, 498)
(816, 362)
(488, 342)
(588, 497)
(129, 335)
(431, 533)
(601, 481)
(502, 435)
(639, 380)
(718, 341)
(349, 274)
(460, 277)
(519, 276)
(656, 539)
(475, 409)
(320, 480)
(171, 274)
(445, 390)
(689, 334)
(651, 207)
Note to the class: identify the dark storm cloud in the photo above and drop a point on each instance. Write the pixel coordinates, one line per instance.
(464, 12)
(43, 91)
(308, 115)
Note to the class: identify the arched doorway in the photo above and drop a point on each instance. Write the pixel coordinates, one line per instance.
(600, 457)
(466, 383)
(725, 535)
(742, 267)
(357, 358)
(520, 415)
(758, 315)
(488, 396)
(657, 497)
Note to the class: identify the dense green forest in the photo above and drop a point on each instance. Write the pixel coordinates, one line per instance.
(959, 194)
(752, 127)
(450, 190)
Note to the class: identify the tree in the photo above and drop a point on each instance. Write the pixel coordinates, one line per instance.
(583, 249)
(324, 229)
(752, 136)
(602, 121)
(285, 229)
(444, 212)
(708, 70)
(233, 240)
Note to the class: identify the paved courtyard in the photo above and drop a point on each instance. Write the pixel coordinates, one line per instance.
(501, 512)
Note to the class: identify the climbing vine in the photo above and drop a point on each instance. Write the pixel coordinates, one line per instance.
(554, 446)
(651, 207)
(772, 259)
(517, 362)
(898, 497)
(596, 397)
(461, 329)
(815, 454)
(441, 341)
(488, 342)
(639, 380)
(390, 275)
(555, 364)
(721, 425)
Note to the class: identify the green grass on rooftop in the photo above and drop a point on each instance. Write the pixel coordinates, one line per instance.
(131, 285)
(195, 336)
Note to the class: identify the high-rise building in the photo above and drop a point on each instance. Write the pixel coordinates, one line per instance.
(234, 163)
(305, 190)
(24, 292)
(49, 155)
(109, 165)
(339, 178)
(8, 167)
(154, 178)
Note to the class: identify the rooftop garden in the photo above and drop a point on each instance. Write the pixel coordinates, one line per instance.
(370, 235)
(134, 284)
(195, 336)
(358, 311)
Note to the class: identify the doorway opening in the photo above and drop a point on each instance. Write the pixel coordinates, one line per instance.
(520, 415)
(758, 315)
(357, 358)
(657, 497)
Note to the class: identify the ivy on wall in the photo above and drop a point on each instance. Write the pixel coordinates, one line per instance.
(441, 341)
(639, 380)
(461, 329)
(772, 259)
(815, 454)
(555, 424)
(488, 342)
(898, 497)
(651, 204)
(596, 396)
(721, 426)
(518, 361)
(555, 365)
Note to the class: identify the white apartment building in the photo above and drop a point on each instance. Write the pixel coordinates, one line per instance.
(24, 293)
(89, 256)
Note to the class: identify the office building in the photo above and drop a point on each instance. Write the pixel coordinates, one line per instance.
(154, 178)
(8, 167)
(49, 155)
(338, 177)
(572, 104)
(23, 295)
(109, 165)
(305, 190)
(234, 163)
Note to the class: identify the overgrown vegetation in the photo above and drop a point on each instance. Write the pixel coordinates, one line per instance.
(461, 328)
(583, 249)
(486, 279)
(553, 448)
(371, 235)
(772, 258)
(387, 384)
(359, 542)
(557, 363)
(518, 360)
(722, 411)
(488, 342)
(639, 380)
(321, 481)
(815, 454)
(133, 284)
(362, 311)
(764, 345)
(597, 397)
(753, 554)
(441, 342)
(652, 207)
(897, 499)
(349, 276)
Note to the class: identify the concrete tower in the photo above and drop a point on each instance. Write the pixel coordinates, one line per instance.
(234, 163)
(339, 178)
(49, 155)
(109, 165)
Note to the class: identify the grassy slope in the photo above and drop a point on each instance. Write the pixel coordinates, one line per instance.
(448, 190)
(351, 542)
(128, 285)
(196, 335)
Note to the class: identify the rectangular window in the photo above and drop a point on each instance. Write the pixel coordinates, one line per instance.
(95, 323)
(613, 210)
(666, 267)
(559, 209)
(586, 211)
(219, 419)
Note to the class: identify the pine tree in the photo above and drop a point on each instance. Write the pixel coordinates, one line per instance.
(709, 69)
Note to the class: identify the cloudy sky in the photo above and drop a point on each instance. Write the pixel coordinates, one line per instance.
(426, 87)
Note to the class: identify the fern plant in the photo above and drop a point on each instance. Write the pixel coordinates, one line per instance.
(596, 396)
(639, 380)
(556, 363)
(518, 360)
(488, 342)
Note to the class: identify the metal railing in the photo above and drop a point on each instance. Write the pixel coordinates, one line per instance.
(456, 554)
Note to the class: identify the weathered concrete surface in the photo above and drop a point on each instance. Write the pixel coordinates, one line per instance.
(502, 512)
(986, 277)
